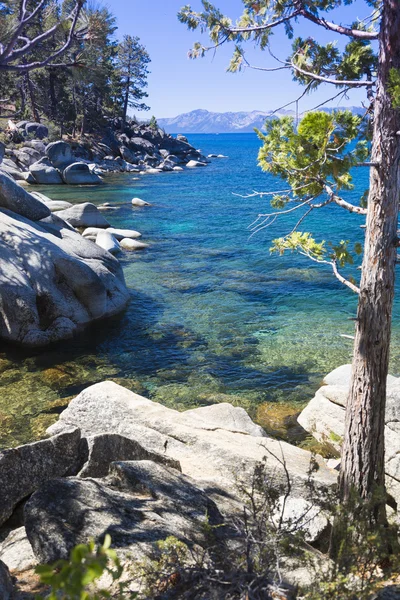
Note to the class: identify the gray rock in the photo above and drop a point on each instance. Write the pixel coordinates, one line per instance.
(106, 448)
(24, 469)
(15, 198)
(132, 245)
(119, 234)
(37, 129)
(27, 156)
(212, 452)
(15, 173)
(182, 138)
(45, 174)
(128, 155)
(195, 163)
(79, 174)
(59, 154)
(139, 202)
(324, 418)
(37, 145)
(53, 282)
(107, 241)
(137, 504)
(16, 551)
(6, 585)
(84, 215)
(299, 514)
(222, 416)
(141, 145)
(28, 177)
(2, 151)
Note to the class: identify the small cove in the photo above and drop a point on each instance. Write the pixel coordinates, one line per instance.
(213, 316)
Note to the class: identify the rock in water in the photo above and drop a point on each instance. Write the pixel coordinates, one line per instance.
(79, 174)
(84, 215)
(139, 202)
(15, 198)
(129, 244)
(45, 174)
(105, 240)
(53, 282)
(23, 470)
(195, 163)
(124, 233)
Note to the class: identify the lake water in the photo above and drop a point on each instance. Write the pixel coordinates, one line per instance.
(213, 315)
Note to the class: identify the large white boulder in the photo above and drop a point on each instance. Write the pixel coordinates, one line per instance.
(132, 245)
(139, 202)
(45, 174)
(53, 282)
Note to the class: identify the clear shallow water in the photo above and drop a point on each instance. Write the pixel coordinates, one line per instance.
(212, 314)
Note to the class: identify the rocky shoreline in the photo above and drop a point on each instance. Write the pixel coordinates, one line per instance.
(114, 459)
(132, 149)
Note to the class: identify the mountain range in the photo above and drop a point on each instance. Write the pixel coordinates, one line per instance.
(204, 121)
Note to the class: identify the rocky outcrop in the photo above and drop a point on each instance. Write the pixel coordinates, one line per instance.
(212, 444)
(24, 469)
(134, 149)
(53, 282)
(324, 418)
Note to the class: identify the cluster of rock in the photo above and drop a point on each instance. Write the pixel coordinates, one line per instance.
(140, 149)
(53, 280)
(121, 464)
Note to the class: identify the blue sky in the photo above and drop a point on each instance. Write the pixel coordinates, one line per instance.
(177, 84)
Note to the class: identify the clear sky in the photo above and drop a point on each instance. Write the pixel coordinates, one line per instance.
(178, 85)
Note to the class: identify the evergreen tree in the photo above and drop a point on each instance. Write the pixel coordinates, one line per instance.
(132, 68)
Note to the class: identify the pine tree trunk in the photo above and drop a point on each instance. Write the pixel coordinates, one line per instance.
(31, 93)
(362, 468)
(126, 102)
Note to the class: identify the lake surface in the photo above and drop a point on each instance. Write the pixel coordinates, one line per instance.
(213, 315)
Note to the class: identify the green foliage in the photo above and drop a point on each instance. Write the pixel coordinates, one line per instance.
(153, 123)
(394, 87)
(299, 241)
(72, 579)
(317, 151)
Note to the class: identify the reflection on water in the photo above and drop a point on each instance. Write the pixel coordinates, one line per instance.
(213, 316)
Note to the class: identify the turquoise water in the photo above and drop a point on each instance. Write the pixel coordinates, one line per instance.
(213, 313)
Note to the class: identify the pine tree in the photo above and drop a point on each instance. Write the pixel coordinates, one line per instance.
(132, 68)
(315, 160)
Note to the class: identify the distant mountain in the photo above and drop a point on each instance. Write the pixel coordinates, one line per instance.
(203, 121)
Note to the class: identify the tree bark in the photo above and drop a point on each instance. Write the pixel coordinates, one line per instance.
(362, 468)
(126, 101)
(31, 93)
